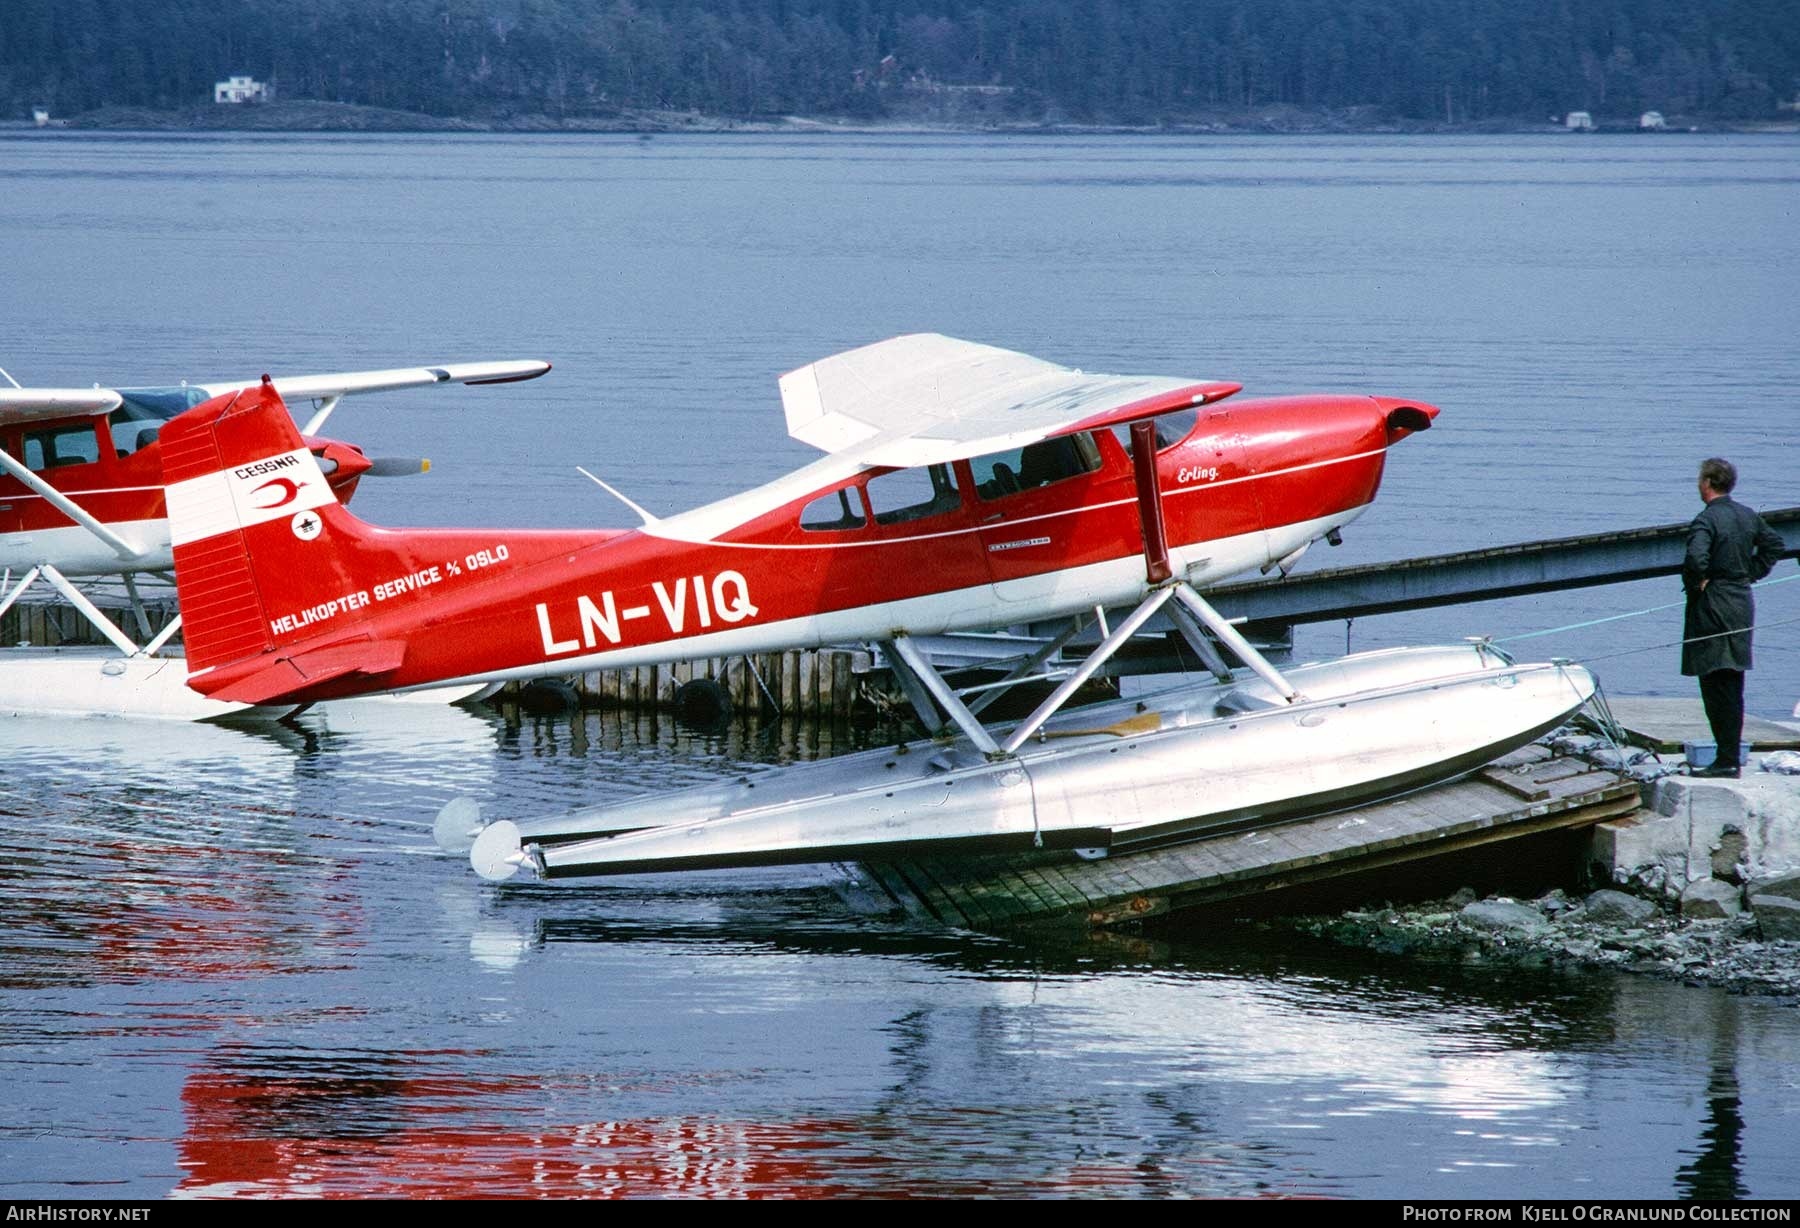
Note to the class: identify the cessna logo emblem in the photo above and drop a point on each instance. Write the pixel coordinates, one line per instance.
(281, 491)
(306, 525)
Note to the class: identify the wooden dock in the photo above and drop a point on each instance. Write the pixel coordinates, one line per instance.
(818, 684)
(1527, 793)
(43, 619)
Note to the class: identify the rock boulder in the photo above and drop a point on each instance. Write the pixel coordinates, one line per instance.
(1778, 916)
(1617, 908)
(1710, 900)
(1501, 915)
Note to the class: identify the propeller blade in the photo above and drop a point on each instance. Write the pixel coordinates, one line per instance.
(397, 466)
(458, 824)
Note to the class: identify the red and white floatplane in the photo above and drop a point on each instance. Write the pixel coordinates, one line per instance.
(963, 487)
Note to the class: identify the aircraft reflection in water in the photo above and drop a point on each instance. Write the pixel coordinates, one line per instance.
(279, 1136)
(964, 487)
(1226, 1077)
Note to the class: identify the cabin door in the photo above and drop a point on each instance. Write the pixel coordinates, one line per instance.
(1039, 512)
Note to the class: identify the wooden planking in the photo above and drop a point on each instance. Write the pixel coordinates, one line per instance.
(811, 683)
(1032, 888)
(1521, 786)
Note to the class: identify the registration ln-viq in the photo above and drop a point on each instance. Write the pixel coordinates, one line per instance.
(962, 487)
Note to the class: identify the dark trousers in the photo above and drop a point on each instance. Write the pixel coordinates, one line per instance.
(1722, 691)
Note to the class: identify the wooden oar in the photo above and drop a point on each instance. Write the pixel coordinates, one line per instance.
(1144, 722)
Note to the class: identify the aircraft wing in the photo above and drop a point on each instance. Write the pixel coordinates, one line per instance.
(318, 387)
(924, 398)
(23, 405)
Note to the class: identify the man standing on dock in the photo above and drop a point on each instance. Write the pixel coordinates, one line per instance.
(1729, 548)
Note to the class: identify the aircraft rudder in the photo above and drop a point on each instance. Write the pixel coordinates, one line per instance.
(230, 467)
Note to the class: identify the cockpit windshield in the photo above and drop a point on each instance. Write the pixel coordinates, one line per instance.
(1171, 429)
(142, 411)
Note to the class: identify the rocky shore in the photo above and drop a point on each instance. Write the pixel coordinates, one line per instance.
(1704, 888)
(1605, 929)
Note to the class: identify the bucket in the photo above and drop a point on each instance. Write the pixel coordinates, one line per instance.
(1702, 754)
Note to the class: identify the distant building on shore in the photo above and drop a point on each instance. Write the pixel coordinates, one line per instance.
(241, 89)
(40, 116)
(1578, 121)
(1652, 121)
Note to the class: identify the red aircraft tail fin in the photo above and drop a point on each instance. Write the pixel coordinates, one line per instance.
(266, 558)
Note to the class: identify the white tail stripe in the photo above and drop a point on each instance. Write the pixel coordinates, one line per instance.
(273, 488)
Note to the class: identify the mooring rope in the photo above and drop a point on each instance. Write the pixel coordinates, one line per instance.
(1655, 609)
(757, 674)
(1695, 639)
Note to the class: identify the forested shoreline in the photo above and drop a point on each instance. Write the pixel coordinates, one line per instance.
(984, 62)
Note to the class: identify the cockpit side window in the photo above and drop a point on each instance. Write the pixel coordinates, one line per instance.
(841, 509)
(1043, 463)
(61, 446)
(131, 434)
(912, 494)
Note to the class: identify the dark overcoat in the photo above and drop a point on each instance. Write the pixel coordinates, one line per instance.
(1729, 547)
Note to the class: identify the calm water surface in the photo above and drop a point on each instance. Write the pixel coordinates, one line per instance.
(233, 963)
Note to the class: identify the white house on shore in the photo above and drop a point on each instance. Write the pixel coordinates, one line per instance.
(1578, 121)
(1652, 121)
(240, 89)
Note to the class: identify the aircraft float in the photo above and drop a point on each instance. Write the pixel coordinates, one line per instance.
(962, 487)
(81, 496)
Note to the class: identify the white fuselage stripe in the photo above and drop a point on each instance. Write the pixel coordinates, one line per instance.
(272, 488)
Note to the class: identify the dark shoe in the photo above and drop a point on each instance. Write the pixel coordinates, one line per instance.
(1718, 771)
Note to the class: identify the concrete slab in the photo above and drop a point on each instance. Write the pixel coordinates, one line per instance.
(1663, 723)
(1694, 830)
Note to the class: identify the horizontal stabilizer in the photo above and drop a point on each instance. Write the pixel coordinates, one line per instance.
(281, 675)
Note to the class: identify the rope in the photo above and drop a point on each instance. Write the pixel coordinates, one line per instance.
(1592, 622)
(1693, 640)
(757, 674)
(1655, 609)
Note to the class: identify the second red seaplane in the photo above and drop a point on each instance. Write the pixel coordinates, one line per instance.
(81, 497)
(963, 487)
